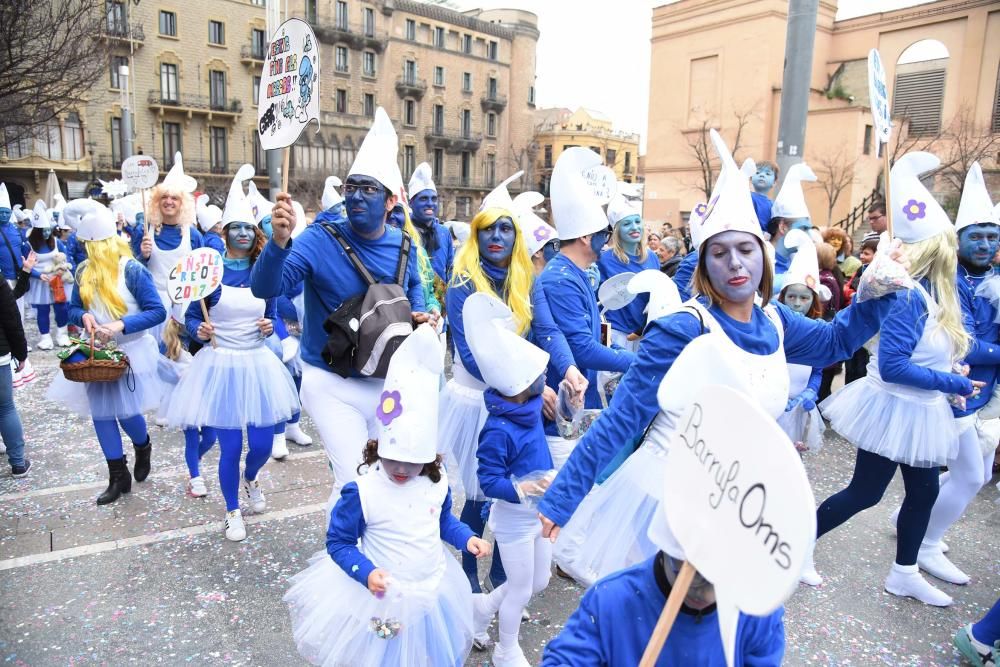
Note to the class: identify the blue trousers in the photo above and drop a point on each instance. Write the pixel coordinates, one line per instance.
(10, 422)
(110, 437)
(197, 445)
(472, 516)
(987, 630)
(62, 316)
(231, 444)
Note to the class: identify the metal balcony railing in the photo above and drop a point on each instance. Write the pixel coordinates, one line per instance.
(410, 86)
(195, 103)
(251, 52)
(121, 30)
(493, 102)
(354, 35)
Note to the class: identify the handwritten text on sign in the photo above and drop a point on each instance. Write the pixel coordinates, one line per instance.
(878, 95)
(196, 276)
(140, 172)
(289, 92)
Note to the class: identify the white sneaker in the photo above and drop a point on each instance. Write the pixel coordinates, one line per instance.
(905, 581)
(279, 448)
(45, 342)
(510, 657)
(295, 433)
(255, 495)
(236, 530)
(932, 561)
(197, 488)
(160, 421)
(62, 337)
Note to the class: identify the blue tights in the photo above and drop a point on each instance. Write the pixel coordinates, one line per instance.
(231, 444)
(111, 438)
(197, 445)
(987, 630)
(280, 428)
(42, 319)
(472, 516)
(872, 474)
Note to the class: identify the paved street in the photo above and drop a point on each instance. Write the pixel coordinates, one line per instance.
(151, 580)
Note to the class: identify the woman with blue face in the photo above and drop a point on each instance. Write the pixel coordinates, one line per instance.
(40, 295)
(400, 219)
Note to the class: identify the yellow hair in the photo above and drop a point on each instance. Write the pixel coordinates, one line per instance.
(98, 278)
(172, 339)
(185, 215)
(936, 259)
(520, 273)
(618, 248)
(423, 261)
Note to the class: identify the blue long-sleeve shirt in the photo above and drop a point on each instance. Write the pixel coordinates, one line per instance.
(685, 273)
(11, 265)
(543, 332)
(512, 443)
(633, 406)
(139, 282)
(231, 277)
(574, 309)
(978, 316)
(316, 259)
(616, 617)
(211, 240)
(347, 525)
(631, 318)
(443, 258)
(168, 238)
(75, 250)
(762, 207)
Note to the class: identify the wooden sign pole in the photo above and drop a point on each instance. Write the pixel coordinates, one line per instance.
(888, 198)
(284, 168)
(670, 610)
(204, 312)
(145, 213)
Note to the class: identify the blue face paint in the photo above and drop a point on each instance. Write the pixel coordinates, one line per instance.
(240, 236)
(763, 180)
(140, 219)
(5, 214)
(598, 241)
(735, 264)
(47, 232)
(629, 232)
(496, 242)
(805, 224)
(424, 206)
(265, 225)
(538, 386)
(397, 218)
(976, 246)
(550, 250)
(365, 200)
(799, 298)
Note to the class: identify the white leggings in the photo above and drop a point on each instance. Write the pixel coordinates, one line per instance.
(343, 410)
(527, 564)
(968, 472)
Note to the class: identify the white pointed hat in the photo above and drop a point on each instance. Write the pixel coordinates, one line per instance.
(749, 167)
(331, 195)
(40, 216)
(407, 411)
(576, 211)
(976, 207)
(129, 206)
(620, 208)
(260, 204)
(207, 215)
(238, 207)
(176, 180)
(19, 213)
(664, 297)
(916, 215)
(499, 197)
(730, 208)
(57, 211)
(422, 179)
(460, 229)
(301, 222)
(804, 267)
(791, 202)
(507, 362)
(92, 221)
(377, 155)
(114, 188)
(4, 197)
(536, 231)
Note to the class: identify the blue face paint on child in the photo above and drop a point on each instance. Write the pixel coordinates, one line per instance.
(763, 180)
(496, 242)
(424, 206)
(976, 246)
(538, 386)
(629, 230)
(798, 298)
(265, 225)
(735, 265)
(365, 199)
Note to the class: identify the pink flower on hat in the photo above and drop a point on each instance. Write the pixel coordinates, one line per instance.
(914, 210)
(543, 233)
(700, 209)
(390, 406)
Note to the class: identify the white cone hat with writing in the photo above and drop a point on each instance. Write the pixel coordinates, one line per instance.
(791, 202)
(238, 206)
(378, 153)
(576, 211)
(976, 207)
(730, 208)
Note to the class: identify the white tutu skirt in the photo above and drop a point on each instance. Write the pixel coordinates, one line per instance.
(915, 431)
(335, 619)
(136, 392)
(233, 389)
(607, 532)
(804, 426)
(39, 293)
(460, 419)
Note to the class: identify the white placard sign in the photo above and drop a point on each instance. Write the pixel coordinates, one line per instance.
(140, 172)
(195, 276)
(614, 293)
(739, 504)
(288, 98)
(878, 95)
(602, 182)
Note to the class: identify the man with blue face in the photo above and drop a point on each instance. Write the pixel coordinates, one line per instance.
(343, 408)
(15, 246)
(762, 181)
(435, 237)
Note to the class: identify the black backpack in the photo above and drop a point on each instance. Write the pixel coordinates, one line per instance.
(364, 333)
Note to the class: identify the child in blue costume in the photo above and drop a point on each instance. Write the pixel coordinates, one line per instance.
(514, 467)
(762, 181)
(209, 217)
(40, 294)
(628, 253)
(385, 592)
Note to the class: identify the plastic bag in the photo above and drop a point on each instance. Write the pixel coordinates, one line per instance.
(532, 486)
(607, 383)
(883, 276)
(572, 420)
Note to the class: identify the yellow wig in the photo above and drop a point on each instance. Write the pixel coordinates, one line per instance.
(98, 278)
(520, 273)
(155, 219)
(936, 259)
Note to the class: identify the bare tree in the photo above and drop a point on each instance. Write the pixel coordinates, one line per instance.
(48, 60)
(835, 173)
(701, 149)
(964, 142)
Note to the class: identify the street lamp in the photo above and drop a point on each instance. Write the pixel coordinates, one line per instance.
(126, 138)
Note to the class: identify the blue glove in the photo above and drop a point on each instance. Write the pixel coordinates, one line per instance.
(594, 274)
(808, 398)
(793, 403)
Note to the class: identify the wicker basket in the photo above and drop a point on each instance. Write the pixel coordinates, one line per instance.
(94, 370)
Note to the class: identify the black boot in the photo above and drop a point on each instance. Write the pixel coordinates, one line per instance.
(119, 481)
(141, 469)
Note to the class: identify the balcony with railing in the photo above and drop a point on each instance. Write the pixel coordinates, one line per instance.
(251, 54)
(437, 137)
(353, 35)
(493, 102)
(469, 183)
(411, 86)
(121, 31)
(208, 105)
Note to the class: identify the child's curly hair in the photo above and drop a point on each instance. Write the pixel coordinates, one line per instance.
(370, 457)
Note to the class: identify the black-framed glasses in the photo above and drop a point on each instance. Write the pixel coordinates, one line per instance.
(351, 188)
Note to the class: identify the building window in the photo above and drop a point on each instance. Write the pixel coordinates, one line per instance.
(171, 143)
(867, 148)
(409, 113)
(410, 71)
(168, 83)
(411, 29)
(369, 63)
(466, 123)
(439, 76)
(466, 44)
(216, 32)
(340, 58)
(439, 37)
(409, 159)
(919, 97)
(491, 170)
(341, 97)
(115, 10)
(531, 95)
(438, 163)
(491, 124)
(548, 156)
(610, 157)
(258, 3)
(439, 119)
(72, 139)
(491, 87)
(463, 206)
(491, 50)
(259, 155)
(341, 15)
(369, 104)
(168, 23)
(258, 44)
(466, 82)
(116, 142)
(628, 162)
(217, 89)
(311, 11)
(218, 150)
(116, 62)
(256, 90)
(369, 22)
(49, 142)
(596, 149)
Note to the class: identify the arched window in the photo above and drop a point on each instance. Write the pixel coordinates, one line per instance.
(72, 132)
(918, 93)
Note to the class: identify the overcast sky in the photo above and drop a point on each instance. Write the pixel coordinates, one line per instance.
(588, 56)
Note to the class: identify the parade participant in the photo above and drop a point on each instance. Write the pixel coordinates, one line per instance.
(209, 217)
(342, 408)
(685, 270)
(628, 253)
(513, 464)
(114, 299)
(841, 243)
(732, 270)
(16, 247)
(583, 231)
(971, 466)
(763, 179)
(333, 202)
(40, 293)
(979, 643)
(899, 416)
(434, 236)
(399, 218)
(385, 593)
(261, 207)
(788, 212)
(13, 356)
(235, 382)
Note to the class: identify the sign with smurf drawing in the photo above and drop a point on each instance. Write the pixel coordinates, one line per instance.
(289, 88)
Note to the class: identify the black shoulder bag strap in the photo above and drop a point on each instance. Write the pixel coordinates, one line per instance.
(351, 255)
(404, 261)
